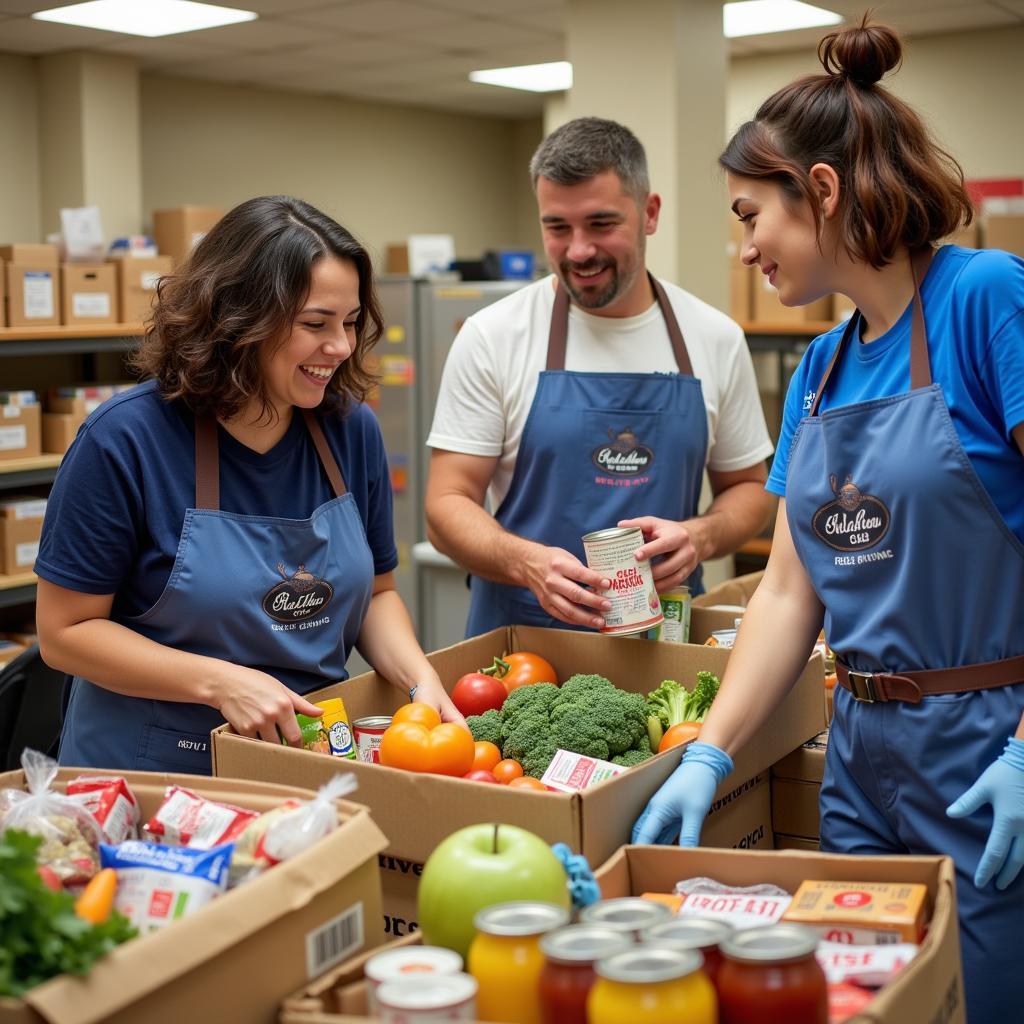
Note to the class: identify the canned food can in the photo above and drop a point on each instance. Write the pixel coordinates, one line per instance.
(630, 915)
(635, 604)
(428, 999)
(335, 723)
(414, 962)
(368, 733)
(675, 607)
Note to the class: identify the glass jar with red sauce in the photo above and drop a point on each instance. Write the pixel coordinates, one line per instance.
(568, 973)
(704, 934)
(770, 975)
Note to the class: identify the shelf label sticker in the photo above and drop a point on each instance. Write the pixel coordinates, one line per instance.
(29, 509)
(90, 304)
(25, 554)
(37, 294)
(12, 438)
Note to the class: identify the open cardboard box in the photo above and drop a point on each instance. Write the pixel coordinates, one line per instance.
(706, 615)
(927, 990)
(236, 959)
(417, 811)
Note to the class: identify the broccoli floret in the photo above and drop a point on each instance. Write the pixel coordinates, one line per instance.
(524, 719)
(703, 694)
(671, 704)
(486, 727)
(538, 757)
(592, 716)
(639, 754)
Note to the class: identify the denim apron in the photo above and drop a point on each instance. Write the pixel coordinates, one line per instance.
(917, 571)
(285, 596)
(597, 448)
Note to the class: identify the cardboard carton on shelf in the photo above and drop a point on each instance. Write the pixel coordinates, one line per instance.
(20, 431)
(236, 959)
(137, 278)
(930, 988)
(88, 294)
(417, 811)
(59, 429)
(177, 231)
(21, 526)
(32, 292)
(767, 309)
(30, 252)
(1004, 231)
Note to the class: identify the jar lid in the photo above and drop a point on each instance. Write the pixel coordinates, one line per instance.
(648, 964)
(583, 944)
(630, 913)
(520, 918)
(428, 992)
(689, 932)
(414, 960)
(776, 943)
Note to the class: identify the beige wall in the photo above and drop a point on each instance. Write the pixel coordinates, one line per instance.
(19, 137)
(383, 171)
(968, 86)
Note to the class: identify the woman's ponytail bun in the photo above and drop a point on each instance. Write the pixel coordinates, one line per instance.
(862, 54)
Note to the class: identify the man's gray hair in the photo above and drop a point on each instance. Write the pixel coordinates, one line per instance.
(587, 146)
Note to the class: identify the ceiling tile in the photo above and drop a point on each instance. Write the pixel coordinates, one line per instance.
(25, 35)
(473, 33)
(1013, 6)
(261, 34)
(362, 51)
(376, 16)
(28, 6)
(165, 49)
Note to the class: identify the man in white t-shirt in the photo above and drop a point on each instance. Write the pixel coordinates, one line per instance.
(593, 398)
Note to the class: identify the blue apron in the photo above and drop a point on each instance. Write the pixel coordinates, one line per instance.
(285, 596)
(597, 448)
(917, 571)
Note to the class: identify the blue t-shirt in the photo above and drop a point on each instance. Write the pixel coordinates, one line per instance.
(974, 314)
(115, 513)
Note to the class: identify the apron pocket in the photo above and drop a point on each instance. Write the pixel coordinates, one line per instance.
(175, 750)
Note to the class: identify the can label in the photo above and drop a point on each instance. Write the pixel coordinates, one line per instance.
(335, 724)
(635, 605)
(675, 606)
(368, 734)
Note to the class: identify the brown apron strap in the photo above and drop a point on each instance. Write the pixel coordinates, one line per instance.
(920, 367)
(207, 463)
(872, 687)
(559, 333)
(327, 459)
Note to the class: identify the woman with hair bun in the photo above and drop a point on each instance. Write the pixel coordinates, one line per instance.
(220, 537)
(901, 524)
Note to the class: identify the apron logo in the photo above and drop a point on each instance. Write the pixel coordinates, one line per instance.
(625, 455)
(853, 521)
(297, 597)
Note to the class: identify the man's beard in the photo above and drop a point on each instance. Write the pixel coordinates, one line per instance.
(592, 298)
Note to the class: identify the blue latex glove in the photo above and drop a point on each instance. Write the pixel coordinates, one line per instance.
(1002, 786)
(684, 799)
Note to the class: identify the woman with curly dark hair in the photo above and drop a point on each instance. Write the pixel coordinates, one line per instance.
(220, 537)
(901, 525)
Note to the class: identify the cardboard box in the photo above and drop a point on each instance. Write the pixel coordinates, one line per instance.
(768, 310)
(396, 259)
(21, 526)
(136, 285)
(88, 294)
(33, 294)
(741, 278)
(177, 231)
(796, 790)
(784, 842)
(20, 431)
(968, 237)
(417, 811)
(721, 606)
(858, 912)
(927, 990)
(239, 957)
(26, 252)
(59, 429)
(1004, 231)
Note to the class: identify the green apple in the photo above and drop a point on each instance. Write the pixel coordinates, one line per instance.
(477, 867)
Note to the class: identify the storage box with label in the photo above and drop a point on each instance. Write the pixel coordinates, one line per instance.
(417, 811)
(929, 989)
(177, 231)
(21, 526)
(82, 399)
(20, 426)
(236, 959)
(32, 294)
(88, 294)
(137, 279)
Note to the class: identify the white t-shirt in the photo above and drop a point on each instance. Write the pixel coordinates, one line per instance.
(491, 374)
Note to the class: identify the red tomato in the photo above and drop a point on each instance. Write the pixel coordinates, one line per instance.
(505, 771)
(478, 775)
(476, 693)
(527, 782)
(522, 669)
(680, 733)
(486, 756)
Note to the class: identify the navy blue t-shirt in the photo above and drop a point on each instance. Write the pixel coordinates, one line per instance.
(115, 513)
(974, 314)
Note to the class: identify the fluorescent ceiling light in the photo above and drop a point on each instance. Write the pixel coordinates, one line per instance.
(554, 77)
(145, 17)
(758, 17)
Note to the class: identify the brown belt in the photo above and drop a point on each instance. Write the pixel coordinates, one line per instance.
(874, 687)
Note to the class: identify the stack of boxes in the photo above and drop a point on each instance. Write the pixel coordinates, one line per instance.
(796, 789)
(68, 408)
(20, 425)
(21, 526)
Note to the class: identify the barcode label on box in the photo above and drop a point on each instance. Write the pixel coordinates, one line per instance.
(334, 941)
(28, 509)
(90, 304)
(11, 412)
(37, 294)
(13, 437)
(25, 554)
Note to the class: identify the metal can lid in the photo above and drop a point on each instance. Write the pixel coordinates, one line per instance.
(627, 914)
(689, 932)
(612, 533)
(583, 944)
(372, 722)
(432, 992)
(681, 591)
(773, 944)
(521, 917)
(649, 963)
(414, 961)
